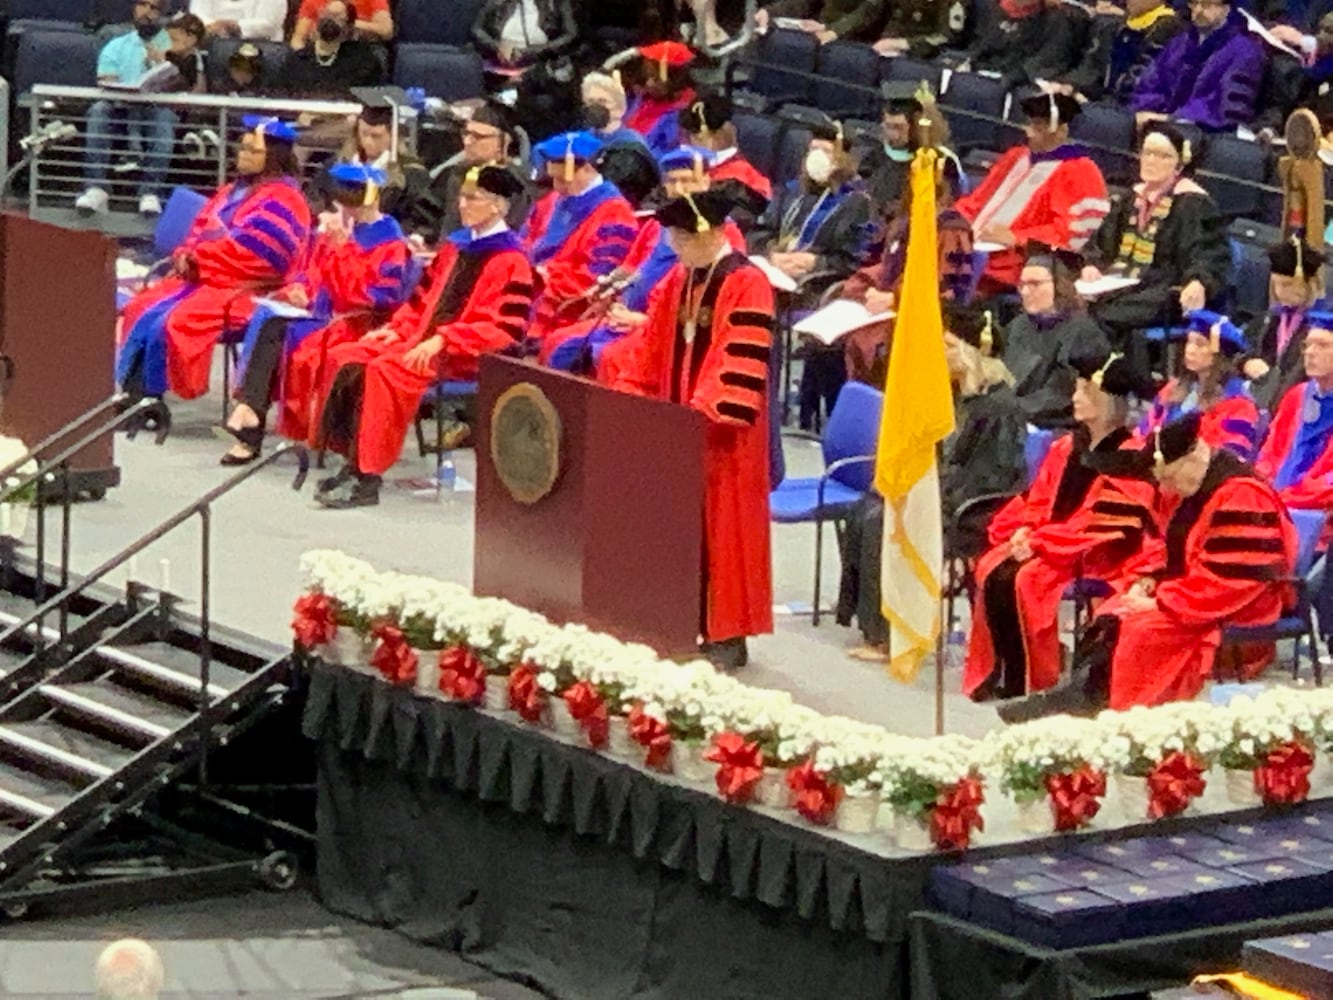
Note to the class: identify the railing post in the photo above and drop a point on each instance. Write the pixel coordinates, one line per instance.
(205, 638)
(66, 517)
(222, 146)
(39, 574)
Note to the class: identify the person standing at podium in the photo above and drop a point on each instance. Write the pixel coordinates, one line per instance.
(706, 345)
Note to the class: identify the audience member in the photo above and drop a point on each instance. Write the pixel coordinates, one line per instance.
(828, 20)
(336, 62)
(923, 28)
(1210, 383)
(1168, 236)
(371, 144)
(245, 72)
(707, 124)
(1297, 456)
(1122, 44)
(887, 165)
(1024, 41)
(489, 137)
(1209, 74)
(983, 457)
(662, 88)
(1277, 338)
(1073, 522)
(604, 106)
(126, 59)
(1047, 190)
(371, 21)
(519, 32)
(261, 20)
(187, 32)
(1052, 330)
(129, 969)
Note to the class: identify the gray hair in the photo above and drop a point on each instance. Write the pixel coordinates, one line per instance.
(129, 969)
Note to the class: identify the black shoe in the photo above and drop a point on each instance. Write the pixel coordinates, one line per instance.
(1070, 697)
(365, 493)
(250, 438)
(729, 654)
(330, 483)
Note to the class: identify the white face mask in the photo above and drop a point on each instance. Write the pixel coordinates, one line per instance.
(818, 166)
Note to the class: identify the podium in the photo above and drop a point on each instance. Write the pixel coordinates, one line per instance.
(616, 541)
(57, 330)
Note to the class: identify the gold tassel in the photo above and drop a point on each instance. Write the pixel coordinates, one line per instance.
(615, 75)
(662, 69)
(372, 195)
(987, 337)
(570, 166)
(700, 223)
(698, 111)
(1300, 260)
(698, 168)
(1100, 374)
(1158, 458)
(259, 138)
(1055, 112)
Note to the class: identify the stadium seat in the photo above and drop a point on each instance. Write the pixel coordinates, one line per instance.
(790, 154)
(849, 80)
(1249, 283)
(440, 70)
(782, 60)
(902, 69)
(436, 23)
(757, 138)
(56, 57)
(49, 10)
(1108, 132)
(974, 105)
(1234, 168)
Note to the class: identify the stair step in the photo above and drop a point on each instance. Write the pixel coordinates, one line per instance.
(31, 794)
(119, 707)
(178, 669)
(70, 749)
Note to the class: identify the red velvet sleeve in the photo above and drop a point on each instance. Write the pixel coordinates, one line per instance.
(732, 387)
(267, 241)
(497, 311)
(1282, 433)
(361, 280)
(1033, 507)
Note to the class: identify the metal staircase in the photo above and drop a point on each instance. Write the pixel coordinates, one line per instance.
(111, 701)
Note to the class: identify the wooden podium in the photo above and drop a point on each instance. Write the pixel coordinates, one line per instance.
(57, 330)
(617, 542)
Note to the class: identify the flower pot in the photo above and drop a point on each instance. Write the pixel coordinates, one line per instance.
(1036, 817)
(619, 743)
(773, 790)
(562, 720)
(349, 650)
(1133, 797)
(15, 517)
(496, 698)
(1240, 788)
(687, 761)
(912, 832)
(428, 673)
(856, 813)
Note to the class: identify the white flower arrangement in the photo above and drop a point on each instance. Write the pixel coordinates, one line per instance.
(1024, 756)
(1254, 727)
(1135, 741)
(915, 771)
(11, 451)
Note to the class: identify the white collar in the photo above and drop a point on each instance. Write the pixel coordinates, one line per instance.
(723, 155)
(491, 230)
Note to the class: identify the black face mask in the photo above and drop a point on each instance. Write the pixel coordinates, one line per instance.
(329, 29)
(595, 117)
(147, 29)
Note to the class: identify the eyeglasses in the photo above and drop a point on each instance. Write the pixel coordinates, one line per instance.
(476, 136)
(1035, 282)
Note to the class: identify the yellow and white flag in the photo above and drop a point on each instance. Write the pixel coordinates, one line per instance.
(918, 415)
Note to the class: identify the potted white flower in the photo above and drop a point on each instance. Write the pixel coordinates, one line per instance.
(935, 789)
(1049, 766)
(1158, 756)
(852, 765)
(14, 509)
(1268, 755)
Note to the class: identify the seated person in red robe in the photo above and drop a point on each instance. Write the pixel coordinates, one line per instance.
(1227, 548)
(359, 274)
(1210, 383)
(662, 86)
(1297, 456)
(474, 300)
(577, 234)
(1047, 190)
(707, 124)
(251, 237)
(1072, 523)
(706, 345)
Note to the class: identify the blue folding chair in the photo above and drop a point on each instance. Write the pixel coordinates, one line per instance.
(56, 57)
(757, 138)
(849, 445)
(439, 23)
(178, 215)
(1233, 169)
(1298, 622)
(1036, 446)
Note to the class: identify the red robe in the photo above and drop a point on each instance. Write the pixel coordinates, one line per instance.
(1312, 487)
(357, 282)
(737, 168)
(1231, 423)
(1056, 198)
(247, 239)
(1226, 550)
(1096, 533)
(477, 297)
(572, 241)
(723, 375)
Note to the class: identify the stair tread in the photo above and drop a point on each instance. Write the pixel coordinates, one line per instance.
(186, 663)
(72, 741)
(33, 786)
(124, 700)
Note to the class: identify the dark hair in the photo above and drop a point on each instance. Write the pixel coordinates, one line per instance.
(191, 24)
(1209, 383)
(1067, 299)
(280, 160)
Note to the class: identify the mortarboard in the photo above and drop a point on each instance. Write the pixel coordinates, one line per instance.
(1295, 258)
(494, 180)
(696, 213)
(360, 175)
(1045, 255)
(901, 97)
(978, 327)
(830, 130)
(267, 127)
(1320, 320)
(247, 54)
(1112, 373)
(1056, 109)
(708, 114)
(667, 54)
(1223, 335)
(571, 147)
(686, 158)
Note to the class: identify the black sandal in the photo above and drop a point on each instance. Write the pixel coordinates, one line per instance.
(249, 437)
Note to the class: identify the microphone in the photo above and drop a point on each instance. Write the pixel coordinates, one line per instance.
(49, 134)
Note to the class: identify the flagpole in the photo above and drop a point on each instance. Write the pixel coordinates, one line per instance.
(939, 680)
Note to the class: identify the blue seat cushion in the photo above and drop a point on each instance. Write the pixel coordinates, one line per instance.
(797, 500)
(1288, 625)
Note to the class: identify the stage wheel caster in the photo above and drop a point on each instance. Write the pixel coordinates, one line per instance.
(15, 911)
(278, 871)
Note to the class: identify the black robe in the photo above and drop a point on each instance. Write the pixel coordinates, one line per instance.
(1037, 351)
(1285, 370)
(1042, 46)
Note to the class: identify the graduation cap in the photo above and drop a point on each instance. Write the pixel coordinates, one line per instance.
(266, 127)
(1223, 335)
(686, 158)
(494, 180)
(1320, 319)
(830, 130)
(667, 55)
(708, 114)
(696, 213)
(901, 97)
(1295, 259)
(574, 148)
(1057, 109)
(379, 106)
(495, 115)
(355, 176)
(1168, 443)
(978, 327)
(1112, 373)
(1045, 255)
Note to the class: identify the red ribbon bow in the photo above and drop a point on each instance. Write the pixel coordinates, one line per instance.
(1284, 777)
(1076, 796)
(525, 696)
(956, 814)
(816, 798)
(1173, 784)
(393, 657)
(589, 711)
(462, 674)
(652, 734)
(316, 622)
(740, 766)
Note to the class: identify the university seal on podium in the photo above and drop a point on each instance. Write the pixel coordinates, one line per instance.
(525, 442)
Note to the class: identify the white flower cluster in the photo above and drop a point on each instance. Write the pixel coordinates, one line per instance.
(942, 761)
(1136, 740)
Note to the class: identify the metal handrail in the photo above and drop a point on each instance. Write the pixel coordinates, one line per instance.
(35, 451)
(50, 91)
